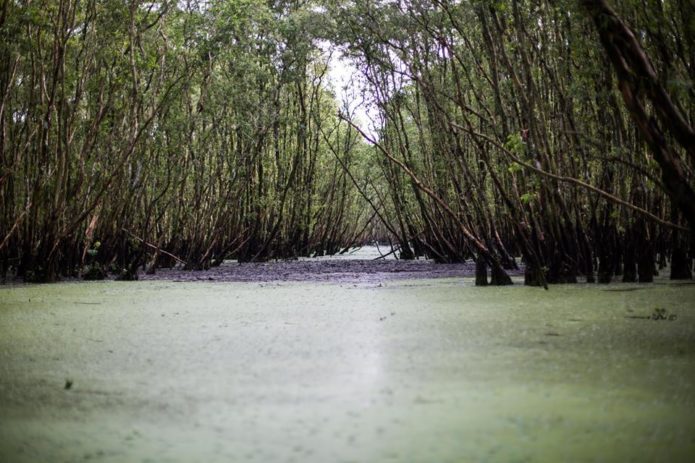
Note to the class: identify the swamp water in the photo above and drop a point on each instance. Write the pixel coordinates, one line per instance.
(413, 371)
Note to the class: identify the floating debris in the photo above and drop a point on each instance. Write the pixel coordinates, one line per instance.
(661, 314)
(658, 314)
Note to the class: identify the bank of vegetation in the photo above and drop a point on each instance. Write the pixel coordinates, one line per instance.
(146, 134)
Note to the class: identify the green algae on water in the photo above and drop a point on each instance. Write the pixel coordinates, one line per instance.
(430, 370)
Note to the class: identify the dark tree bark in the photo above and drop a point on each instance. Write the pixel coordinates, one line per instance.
(480, 273)
(638, 82)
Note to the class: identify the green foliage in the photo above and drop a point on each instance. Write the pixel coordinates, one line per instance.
(514, 168)
(528, 198)
(204, 125)
(515, 144)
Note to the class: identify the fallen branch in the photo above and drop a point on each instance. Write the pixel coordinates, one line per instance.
(384, 256)
(14, 227)
(153, 246)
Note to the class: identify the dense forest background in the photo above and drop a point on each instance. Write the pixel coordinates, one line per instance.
(153, 134)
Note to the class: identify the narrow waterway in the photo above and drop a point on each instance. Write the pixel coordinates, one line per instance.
(428, 370)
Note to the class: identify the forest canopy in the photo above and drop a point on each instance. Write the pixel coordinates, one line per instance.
(557, 134)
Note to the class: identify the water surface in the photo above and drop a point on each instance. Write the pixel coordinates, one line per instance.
(417, 371)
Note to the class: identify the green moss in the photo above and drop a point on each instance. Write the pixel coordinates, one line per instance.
(431, 370)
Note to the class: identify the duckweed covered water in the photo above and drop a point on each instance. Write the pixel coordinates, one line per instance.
(420, 371)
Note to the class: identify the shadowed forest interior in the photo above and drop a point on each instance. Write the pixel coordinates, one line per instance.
(553, 134)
